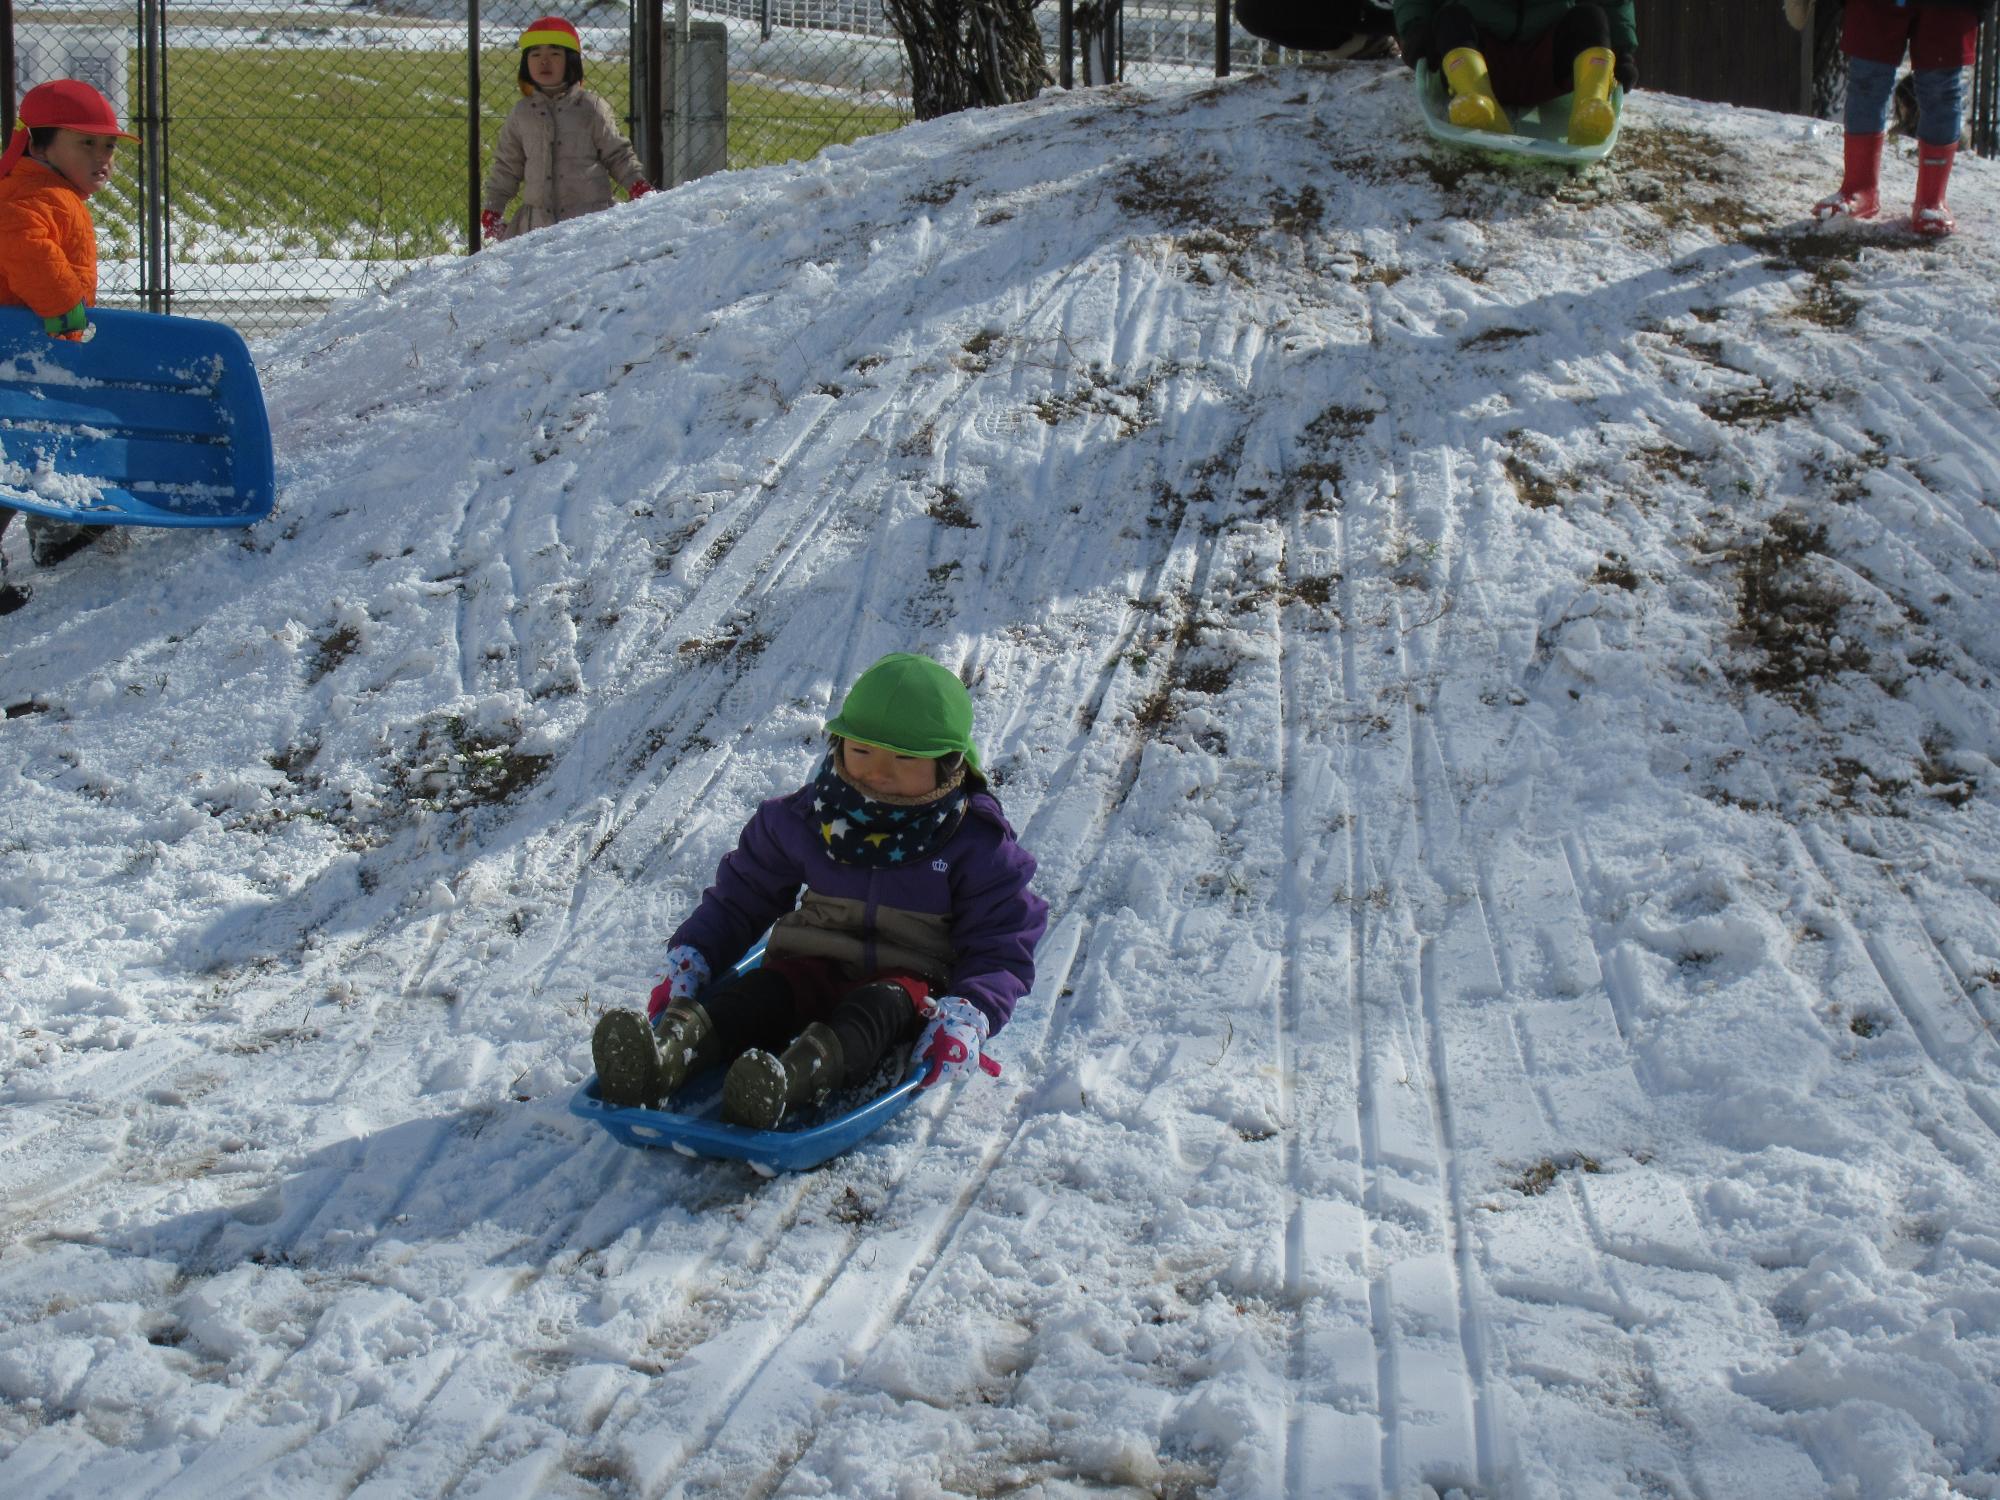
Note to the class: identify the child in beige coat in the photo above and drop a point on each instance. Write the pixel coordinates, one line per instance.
(560, 148)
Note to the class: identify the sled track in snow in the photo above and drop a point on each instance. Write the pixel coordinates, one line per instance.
(1918, 981)
(1433, 1442)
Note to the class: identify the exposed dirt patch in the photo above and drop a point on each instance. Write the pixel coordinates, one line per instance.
(975, 352)
(937, 194)
(1540, 1177)
(1761, 407)
(1617, 572)
(1532, 488)
(948, 508)
(1299, 215)
(1686, 178)
(1160, 191)
(455, 767)
(731, 642)
(1497, 338)
(1790, 602)
(1129, 403)
(334, 648)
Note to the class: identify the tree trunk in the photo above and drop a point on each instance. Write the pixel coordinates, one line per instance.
(1829, 95)
(965, 53)
(1095, 23)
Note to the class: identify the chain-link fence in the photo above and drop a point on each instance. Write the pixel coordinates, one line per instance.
(301, 151)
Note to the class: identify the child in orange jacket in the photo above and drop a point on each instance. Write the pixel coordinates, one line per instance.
(60, 154)
(48, 245)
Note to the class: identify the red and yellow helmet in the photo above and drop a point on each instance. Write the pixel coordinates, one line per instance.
(551, 31)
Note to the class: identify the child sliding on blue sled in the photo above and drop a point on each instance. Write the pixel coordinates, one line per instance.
(895, 896)
(1494, 53)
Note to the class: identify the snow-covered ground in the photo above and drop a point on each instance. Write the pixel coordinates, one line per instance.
(1498, 669)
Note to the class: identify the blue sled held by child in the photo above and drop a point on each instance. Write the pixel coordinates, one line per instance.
(151, 421)
(694, 1125)
(1538, 132)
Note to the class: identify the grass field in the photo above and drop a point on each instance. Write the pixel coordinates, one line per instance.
(362, 154)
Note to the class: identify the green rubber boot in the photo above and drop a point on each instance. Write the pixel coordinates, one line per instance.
(687, 1043)
(760, 1090)
(638, 1064)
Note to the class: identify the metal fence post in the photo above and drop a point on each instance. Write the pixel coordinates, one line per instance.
(1066, 35)
(650, 104)
(6, 72)
(1221, 38)
(683, 101)
(472, 184)
(155, 286)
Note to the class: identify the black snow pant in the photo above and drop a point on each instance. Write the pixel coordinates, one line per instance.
(1313, 25)
(763, 1009)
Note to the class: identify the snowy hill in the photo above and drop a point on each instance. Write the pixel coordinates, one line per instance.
(1498, 669)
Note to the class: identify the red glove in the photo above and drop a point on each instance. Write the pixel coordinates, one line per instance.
(639, 188)
(489, 223)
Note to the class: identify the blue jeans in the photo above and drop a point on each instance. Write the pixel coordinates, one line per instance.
(1940, 100)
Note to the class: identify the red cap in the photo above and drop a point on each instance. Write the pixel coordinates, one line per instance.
(66, 104)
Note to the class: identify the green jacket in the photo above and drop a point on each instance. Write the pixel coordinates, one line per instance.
(1521, 20)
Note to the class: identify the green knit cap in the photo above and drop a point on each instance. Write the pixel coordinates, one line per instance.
(911, 705)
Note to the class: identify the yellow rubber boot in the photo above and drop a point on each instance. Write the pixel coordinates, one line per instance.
(1473, 106)
(1590, 113)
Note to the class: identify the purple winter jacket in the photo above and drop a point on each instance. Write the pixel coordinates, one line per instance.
(963, 917)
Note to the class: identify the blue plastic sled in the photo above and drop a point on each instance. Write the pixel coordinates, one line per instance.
(694, 1127)
(151, 421)
(1539, 132)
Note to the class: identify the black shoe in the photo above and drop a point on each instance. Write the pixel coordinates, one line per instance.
(12, 597)
(627, 1059)
(761, 1089)
(51, 541)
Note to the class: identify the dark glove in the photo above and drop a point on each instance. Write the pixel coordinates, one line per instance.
(73, 321)
(1416, 44)
(639, 188)
(489, 223)
(1625, 68)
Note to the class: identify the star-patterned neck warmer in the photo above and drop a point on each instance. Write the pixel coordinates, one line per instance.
(879, 833)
